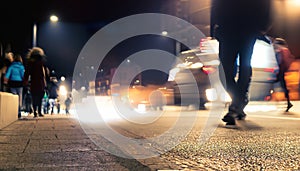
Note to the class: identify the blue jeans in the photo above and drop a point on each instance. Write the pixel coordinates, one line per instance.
(18, 91)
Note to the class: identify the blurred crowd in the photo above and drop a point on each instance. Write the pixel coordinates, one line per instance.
(31, 79)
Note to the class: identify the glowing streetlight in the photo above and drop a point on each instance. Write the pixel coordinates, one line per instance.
(53, 18)
(62, 78)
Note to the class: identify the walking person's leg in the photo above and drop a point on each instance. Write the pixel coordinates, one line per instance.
(15, 91)
(35, 100)
(67, 109)
(228, 55)
(39, 103)
(286, 91)
(51, 103)
(245, 72)
(58, 107)
(227, 71)
(20, 93)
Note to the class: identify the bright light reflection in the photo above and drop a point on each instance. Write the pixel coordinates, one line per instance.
(105, 110)
(63, 90)
(53, 18)
(141, 108)
(296, 2)
(196, 65)
(173, 73)
(212, 95)
(164, 33)
(260, 108)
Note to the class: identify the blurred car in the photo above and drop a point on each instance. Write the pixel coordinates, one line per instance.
(198, 68)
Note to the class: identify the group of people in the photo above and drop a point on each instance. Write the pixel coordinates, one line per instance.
(236, 25)
(34, 77)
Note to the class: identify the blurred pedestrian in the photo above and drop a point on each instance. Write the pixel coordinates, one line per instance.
(14, 77)
(38, 73)
(68, 103)
(58, 105)
(7, 60)
(53, 93)
(284, 60)
(45, 102)
(28, 101)
(236, 24)
(157, 100)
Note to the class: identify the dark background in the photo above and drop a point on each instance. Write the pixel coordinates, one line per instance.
(80, 19)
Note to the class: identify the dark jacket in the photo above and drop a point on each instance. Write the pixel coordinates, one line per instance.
(38, 74)
(236, 17)
(53, 88)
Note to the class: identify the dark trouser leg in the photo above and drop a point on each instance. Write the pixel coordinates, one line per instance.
(283, 85)
(34, 104)
(286, 91)
(37, 103)
(245, 70)
(58, 108)
(228, 54)
(229, 50)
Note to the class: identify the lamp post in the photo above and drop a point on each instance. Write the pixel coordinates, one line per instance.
(53, 19)
(34, 35)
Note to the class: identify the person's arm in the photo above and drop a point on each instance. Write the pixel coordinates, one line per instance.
(279, 56)
(26, 75)
(22, 72)
(7, 75)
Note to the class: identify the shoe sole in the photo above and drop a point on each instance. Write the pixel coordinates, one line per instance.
(241, 118)
(231, 126)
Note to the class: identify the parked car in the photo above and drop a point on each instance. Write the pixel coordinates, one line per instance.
(199, 66)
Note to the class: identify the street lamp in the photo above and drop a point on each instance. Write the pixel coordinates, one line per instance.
(62, 78)
(53, 19)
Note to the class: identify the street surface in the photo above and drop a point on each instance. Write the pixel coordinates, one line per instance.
(268, 139)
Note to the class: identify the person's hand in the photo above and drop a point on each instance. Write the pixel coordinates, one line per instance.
(5, 80)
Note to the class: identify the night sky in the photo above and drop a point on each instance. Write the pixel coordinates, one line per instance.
(78, 21)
